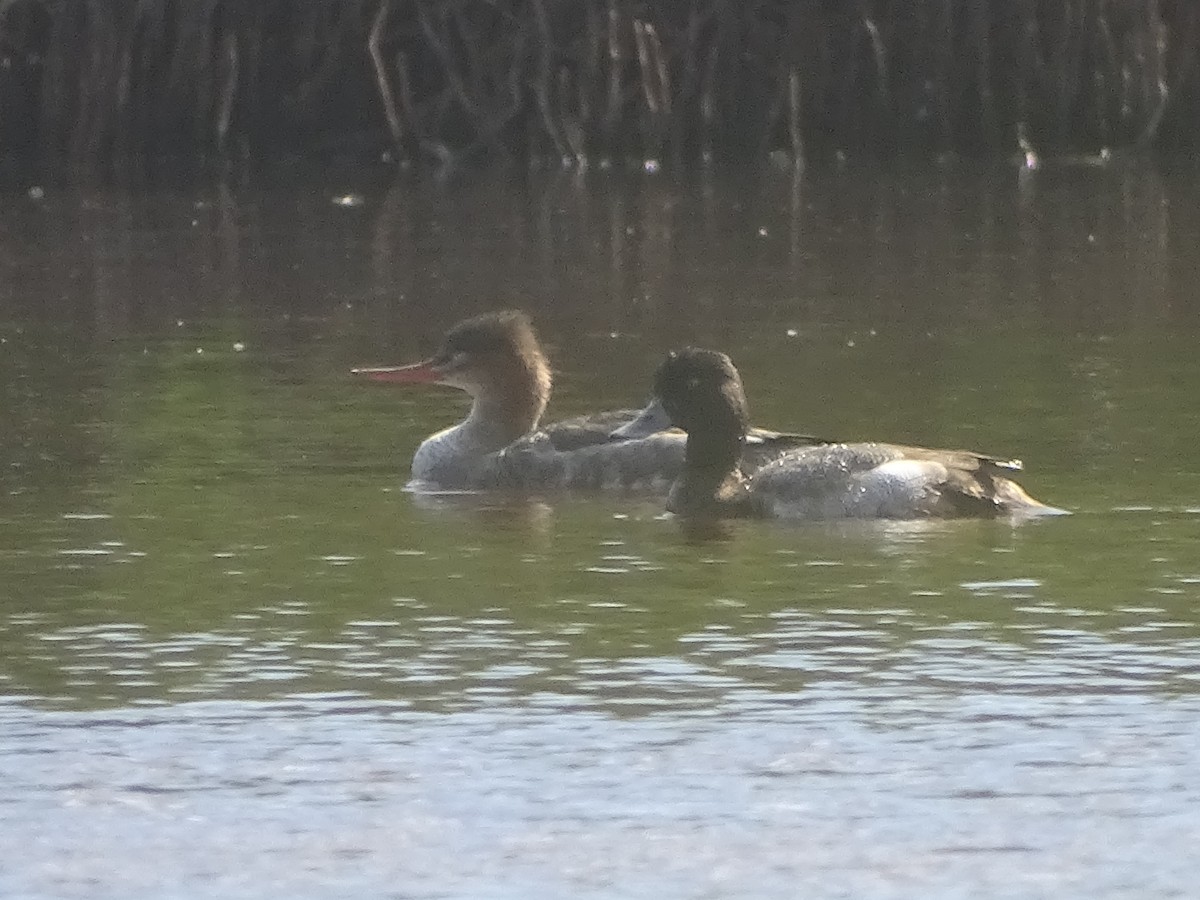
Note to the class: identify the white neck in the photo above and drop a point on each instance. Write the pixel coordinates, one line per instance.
(452, 457)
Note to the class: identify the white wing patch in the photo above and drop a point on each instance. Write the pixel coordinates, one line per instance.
(899, 487)
(907, 471)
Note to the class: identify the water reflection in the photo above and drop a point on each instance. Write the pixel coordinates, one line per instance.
(1094, 247)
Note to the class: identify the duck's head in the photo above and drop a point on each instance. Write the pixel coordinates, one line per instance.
(702, 393)
(494, 354)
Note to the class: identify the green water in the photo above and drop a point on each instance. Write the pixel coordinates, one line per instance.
(237, 658)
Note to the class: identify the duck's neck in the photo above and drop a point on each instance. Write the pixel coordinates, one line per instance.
(710, 482)
(509, 408)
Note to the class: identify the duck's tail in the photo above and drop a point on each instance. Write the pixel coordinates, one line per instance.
(1013, 499)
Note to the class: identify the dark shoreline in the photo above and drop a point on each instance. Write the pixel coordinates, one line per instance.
(592, 81)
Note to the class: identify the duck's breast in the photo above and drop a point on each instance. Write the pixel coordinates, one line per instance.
(447, 460)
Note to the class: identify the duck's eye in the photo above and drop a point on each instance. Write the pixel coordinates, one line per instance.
(693, 383)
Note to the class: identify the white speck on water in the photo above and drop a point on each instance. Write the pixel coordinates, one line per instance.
(1002, 584)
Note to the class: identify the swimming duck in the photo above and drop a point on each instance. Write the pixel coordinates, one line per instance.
(497, 359)
(702, 393)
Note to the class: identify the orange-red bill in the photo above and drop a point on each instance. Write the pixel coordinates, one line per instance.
(417, 373)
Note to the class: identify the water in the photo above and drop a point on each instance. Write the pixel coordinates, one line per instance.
(239, 660)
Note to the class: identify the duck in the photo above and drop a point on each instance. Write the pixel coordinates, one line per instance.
(701, 391)
(497, 359)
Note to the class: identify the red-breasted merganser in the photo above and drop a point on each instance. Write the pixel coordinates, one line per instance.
(496, 359)
(702, 393)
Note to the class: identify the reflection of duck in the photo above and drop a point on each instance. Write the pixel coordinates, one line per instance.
(496, 358)
(702, 393)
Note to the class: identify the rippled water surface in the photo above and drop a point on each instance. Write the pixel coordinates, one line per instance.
(237, 659)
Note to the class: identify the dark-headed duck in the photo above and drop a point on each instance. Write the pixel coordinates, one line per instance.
(702, 393)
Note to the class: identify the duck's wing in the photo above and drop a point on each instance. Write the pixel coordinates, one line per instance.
(784, 439)
(871, 480)
(584, 431)
(533, 463)
(763, 446)
(968, 460)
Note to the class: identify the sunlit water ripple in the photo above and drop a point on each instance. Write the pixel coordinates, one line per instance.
(881, 792)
